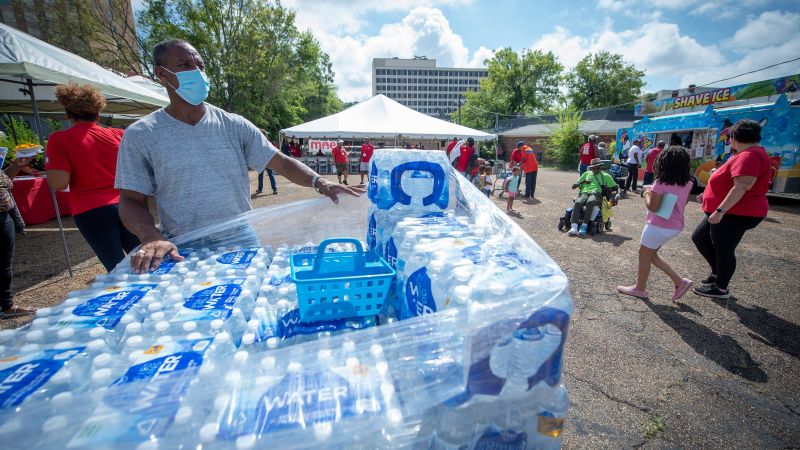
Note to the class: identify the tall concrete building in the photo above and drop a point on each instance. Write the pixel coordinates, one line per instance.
(420, 85)
(102, 31)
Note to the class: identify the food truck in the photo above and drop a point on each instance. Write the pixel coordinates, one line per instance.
(706, 133)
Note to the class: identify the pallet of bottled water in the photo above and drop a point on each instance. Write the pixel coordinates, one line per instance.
(210, 351)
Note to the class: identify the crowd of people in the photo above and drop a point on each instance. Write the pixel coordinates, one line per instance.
(112, 174)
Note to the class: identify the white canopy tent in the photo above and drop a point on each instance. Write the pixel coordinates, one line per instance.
(381, 117)
(29, 68)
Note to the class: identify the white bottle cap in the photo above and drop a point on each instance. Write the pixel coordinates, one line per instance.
(102, 360)
(40, 322)
(44, 312)
(232, 377)
(395, 416)
(194, 335)
(245, 442)
(65, 333)
(463, 292)
(349, 346)
(61, 399)
(96, 345)
(217, 324)
(221, 401)
(133, 328)
(29, 348)
(158, 316)
(148, 445)
(294, 367)
(387, 389)
(241, 357)
(222, 338)
(531, 285)
(175, 297)
(34, 335)
(352, 361)
(248, 339)
(62, 376)
(164, 340)
(162, 326)
(155, 306)
(324, 354)
(376, 349)
(463, 273)
(253, 324)
(101, 376)
(134, 341)
(497, 288)
(208, 432)
(273, 343)
(189, 326)
(323, 431)
(55, 423)
(97, 332)
(183, 415)
(268, 363)
(135, 355)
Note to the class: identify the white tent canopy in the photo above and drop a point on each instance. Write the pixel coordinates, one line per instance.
(381, 117)
(23, 57)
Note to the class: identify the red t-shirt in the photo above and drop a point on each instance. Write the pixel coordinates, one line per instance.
(88, 152)
(463, 159)
(450, 146)
(295, 150)
(366, 152)
(587, 153)
(339, 155)
(516, 157)
(529, 162)
(750, 162)
(651, 159)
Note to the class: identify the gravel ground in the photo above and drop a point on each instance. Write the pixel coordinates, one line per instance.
(651, 374)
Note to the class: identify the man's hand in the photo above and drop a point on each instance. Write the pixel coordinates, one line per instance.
(699, 198)
(21, 162)
(150, 255)
(332, 190)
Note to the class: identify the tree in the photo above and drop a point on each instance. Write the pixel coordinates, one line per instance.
(565, 139)
(258, 63)
(526, 83)
(603, 79)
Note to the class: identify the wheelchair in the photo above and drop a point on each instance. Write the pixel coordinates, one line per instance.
(601, 214)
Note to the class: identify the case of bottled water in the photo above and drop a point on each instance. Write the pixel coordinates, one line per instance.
(211, 352)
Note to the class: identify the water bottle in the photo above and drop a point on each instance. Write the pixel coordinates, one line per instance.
(530, 349)
(548, 423)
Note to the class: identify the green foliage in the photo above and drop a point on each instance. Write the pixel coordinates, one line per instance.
(603, 79)
(565, 139)
(259, 64)
(516, 83)
(653, 426)
(19, 132)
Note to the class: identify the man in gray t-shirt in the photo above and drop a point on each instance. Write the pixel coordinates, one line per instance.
(193, 157)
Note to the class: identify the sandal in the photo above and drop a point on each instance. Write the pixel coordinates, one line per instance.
(16, 311)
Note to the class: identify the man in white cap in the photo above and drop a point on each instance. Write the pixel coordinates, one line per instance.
(341, 159)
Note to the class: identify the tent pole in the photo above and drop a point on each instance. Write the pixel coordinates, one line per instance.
(40, 132)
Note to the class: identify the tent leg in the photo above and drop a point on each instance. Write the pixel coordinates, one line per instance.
(40, 132)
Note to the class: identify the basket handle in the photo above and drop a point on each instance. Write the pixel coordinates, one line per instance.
(358, 259)
(423, 166)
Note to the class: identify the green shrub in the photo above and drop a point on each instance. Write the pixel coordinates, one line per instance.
(565, 139)
(18, 132)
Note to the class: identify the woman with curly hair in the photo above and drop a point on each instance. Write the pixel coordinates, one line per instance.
(84, 157)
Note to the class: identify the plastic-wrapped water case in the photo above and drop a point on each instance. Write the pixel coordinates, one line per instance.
(211, 352)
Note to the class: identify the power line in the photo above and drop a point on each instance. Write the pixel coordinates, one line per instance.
(634, 102)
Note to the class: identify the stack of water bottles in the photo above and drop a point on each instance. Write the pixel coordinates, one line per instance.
(212, 351)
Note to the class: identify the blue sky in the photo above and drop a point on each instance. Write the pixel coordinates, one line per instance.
(676, 42)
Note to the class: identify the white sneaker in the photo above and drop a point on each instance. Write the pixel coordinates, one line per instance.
(573, 231)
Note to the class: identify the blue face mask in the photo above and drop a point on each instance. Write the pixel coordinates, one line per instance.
(192, 85)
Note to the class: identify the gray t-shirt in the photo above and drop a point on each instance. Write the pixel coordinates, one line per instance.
(198, 173)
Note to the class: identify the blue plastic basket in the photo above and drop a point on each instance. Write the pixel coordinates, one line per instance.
(341, 284)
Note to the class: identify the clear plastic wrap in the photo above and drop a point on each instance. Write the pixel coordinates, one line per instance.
(467, 352)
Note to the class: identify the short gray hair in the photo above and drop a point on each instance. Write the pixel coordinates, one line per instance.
(161, 48)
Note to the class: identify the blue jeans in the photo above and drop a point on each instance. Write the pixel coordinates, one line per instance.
(105, 233)
(271, 181)
(582, 168)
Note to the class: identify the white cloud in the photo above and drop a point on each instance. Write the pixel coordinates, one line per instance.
(424, 31)
(345, 17)
(751, 60)
(771, 28)
(657, 48)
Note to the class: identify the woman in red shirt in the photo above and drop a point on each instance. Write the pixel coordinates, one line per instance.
(735, 200)
(84, 157)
